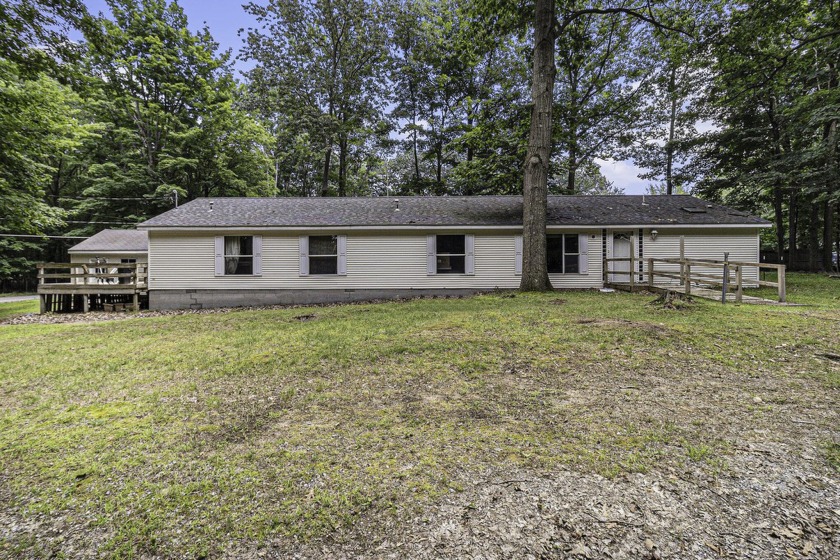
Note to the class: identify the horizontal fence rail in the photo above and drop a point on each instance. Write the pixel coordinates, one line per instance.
(61, 284)
(698, 272)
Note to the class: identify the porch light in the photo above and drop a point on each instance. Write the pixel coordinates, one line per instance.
(653, 234)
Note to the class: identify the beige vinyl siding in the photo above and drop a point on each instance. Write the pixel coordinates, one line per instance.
(374, 260)
(742, 245)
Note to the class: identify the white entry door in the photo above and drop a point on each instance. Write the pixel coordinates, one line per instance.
(622, 248)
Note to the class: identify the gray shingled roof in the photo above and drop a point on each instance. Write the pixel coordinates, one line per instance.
(446, 211)
(114, 240)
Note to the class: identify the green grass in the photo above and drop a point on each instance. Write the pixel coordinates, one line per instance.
(832, 453)
(810, 289)
(16, 308)
(176, 435)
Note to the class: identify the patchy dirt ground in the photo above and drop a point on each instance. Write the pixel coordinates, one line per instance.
(765, 507)
(766, 493)
(484, 428)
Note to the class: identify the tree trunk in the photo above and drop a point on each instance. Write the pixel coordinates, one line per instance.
(669, 147)
(573, 164)
(535, 183)
(829, 137)
(828, 235)
(342, 167)
(325, 180)
(814, 261)
(779, 214)
(793, 220)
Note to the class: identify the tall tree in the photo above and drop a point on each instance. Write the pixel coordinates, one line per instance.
(457, 95)
(322, 61)
(40, 124)
(667, 139)
(776, 101)
(600, 83)
(537, 159)
(546, 29)
(166, 95)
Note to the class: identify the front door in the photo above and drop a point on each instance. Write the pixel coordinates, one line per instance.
(622, 248)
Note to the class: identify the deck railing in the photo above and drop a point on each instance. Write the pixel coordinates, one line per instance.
(66, 282)
(693, 271)
(128, 275)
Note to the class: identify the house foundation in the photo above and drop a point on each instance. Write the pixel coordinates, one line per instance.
(205, 299)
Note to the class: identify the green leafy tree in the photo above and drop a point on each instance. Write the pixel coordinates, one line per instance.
(776, 101)
(167, 97)
(459, 98)
(599, 87)
(39, 126)
(319, 84)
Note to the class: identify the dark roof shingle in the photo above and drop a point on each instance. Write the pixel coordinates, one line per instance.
(114, 240)
(445, 211)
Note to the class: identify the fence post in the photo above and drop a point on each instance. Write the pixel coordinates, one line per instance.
(781, 281)
(632, 274)
(687, 268)
(650, 272)
(739, 280)
(725, 286)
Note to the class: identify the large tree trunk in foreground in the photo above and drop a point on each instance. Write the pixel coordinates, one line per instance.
(535, 184)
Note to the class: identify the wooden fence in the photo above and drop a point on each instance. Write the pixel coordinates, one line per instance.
(693, 271)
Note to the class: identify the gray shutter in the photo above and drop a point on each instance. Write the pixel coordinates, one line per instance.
(583, 259)
(517, 248)
(304, 255)
(469, 261)
(220, 255)
(257, 255)
(431, 254)
(342, 255)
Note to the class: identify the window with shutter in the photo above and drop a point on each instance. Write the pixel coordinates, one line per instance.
(238, 255)
(567, 253)
(323, 255)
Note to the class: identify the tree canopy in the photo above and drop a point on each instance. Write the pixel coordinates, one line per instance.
(735, 102)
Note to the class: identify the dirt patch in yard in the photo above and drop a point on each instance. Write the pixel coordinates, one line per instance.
(484, 428)
(781, 509)
(742, 472)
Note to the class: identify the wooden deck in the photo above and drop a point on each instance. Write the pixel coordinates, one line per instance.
(67, 287)
(719, 280)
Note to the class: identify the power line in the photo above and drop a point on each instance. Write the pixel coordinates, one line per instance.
(108, 198)
(89, 222)
(43, 236)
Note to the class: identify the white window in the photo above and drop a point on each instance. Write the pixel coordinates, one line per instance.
(450, 254)
(239, 255)
(323, 255)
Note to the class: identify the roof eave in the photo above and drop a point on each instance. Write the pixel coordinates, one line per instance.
(416, 227)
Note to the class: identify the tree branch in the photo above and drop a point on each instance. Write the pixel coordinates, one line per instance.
(570, 17)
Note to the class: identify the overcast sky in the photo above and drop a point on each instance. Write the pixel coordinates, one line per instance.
(224, 18)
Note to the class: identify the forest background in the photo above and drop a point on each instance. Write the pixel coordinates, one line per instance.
(105, 119)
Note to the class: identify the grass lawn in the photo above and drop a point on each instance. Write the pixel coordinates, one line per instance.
(18, 308)
(184, 435)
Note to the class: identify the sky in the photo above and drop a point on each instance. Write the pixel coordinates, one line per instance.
(225, 18)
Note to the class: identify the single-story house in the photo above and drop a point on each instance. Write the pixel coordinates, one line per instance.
(214, 252)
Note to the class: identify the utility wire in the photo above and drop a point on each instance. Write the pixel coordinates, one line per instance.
(43, 236)
(89, 222)
(108, 198)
